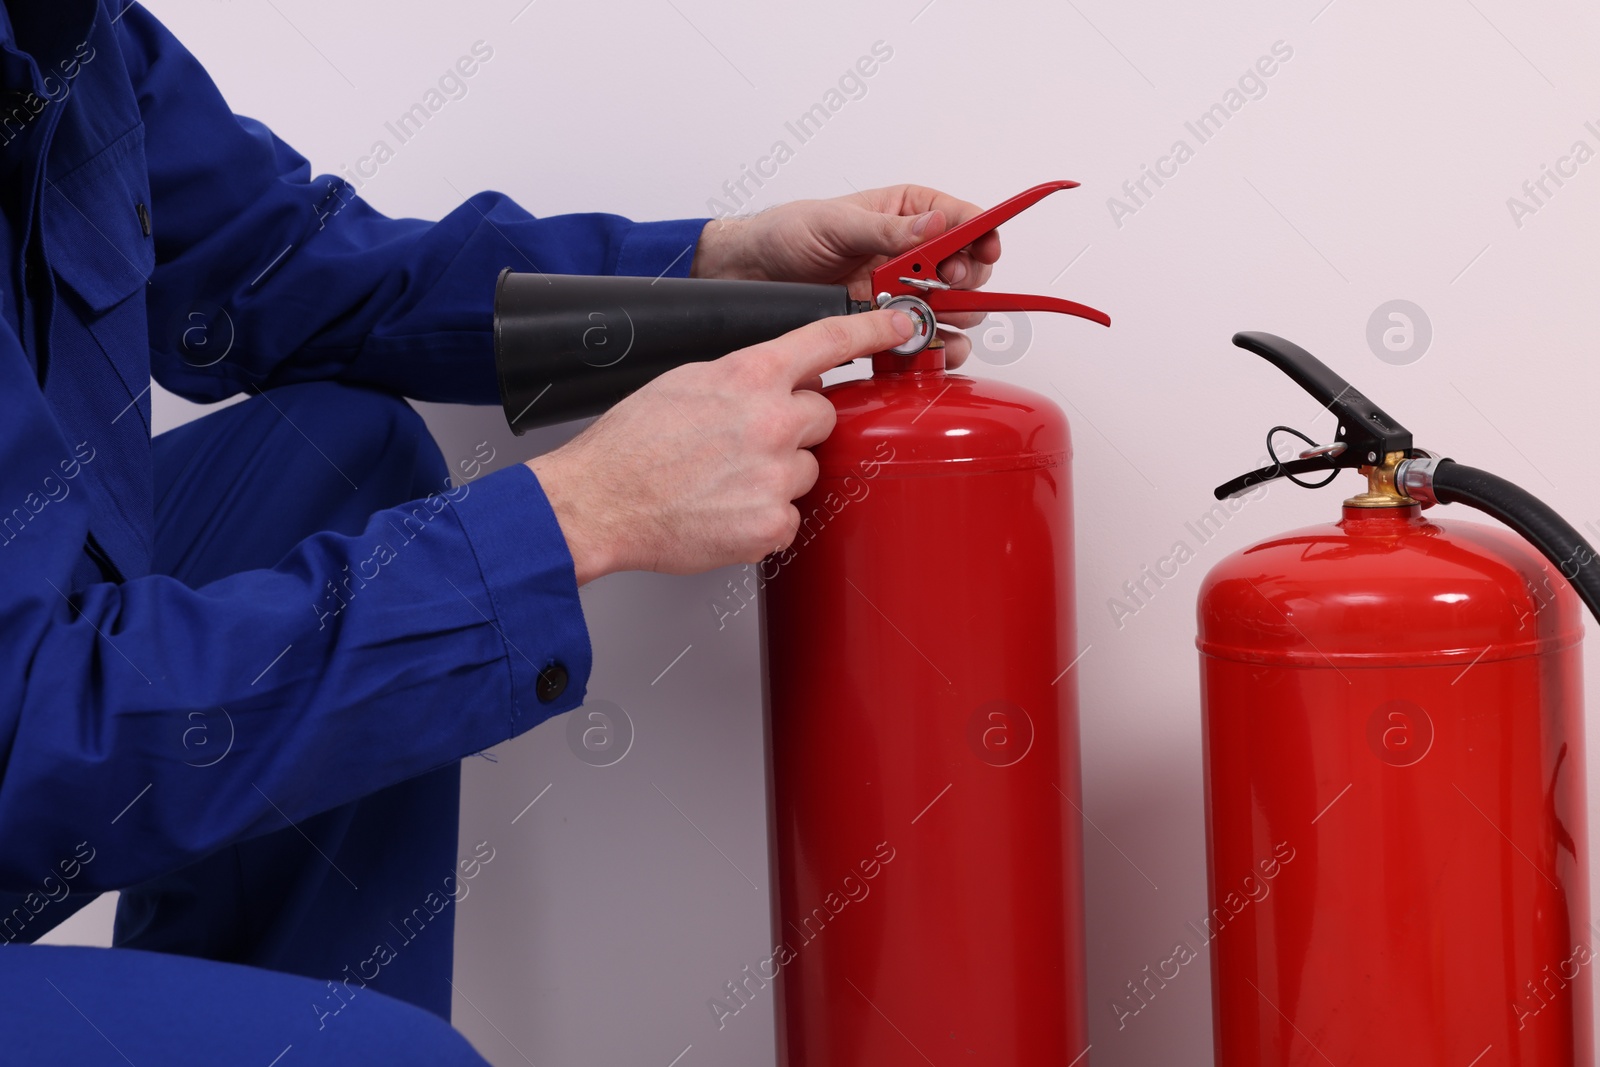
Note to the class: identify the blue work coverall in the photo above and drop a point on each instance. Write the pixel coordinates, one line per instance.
(239, 663)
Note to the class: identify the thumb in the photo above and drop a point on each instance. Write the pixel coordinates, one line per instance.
(883, 234)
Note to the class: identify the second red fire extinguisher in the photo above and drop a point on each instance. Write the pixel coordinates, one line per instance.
(1393, 728)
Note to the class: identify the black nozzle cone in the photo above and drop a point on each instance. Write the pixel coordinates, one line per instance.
(570, 346)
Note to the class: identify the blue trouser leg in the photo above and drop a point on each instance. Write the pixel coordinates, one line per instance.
(235, 490)
(95, 1007)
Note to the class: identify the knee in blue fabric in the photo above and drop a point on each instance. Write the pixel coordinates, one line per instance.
(84, 1006)
(239, 487)
(350, 443)
(364, 431)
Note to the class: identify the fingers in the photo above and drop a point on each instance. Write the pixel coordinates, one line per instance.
(986, 249)
(962, 320)
(817, 418)
(965, 270)
(957, 346)
(791, 529)
(803, 354)
(910, 231)
(889, 221)
(853, 228)
(968, 268)
(801, 474)
(916, 199)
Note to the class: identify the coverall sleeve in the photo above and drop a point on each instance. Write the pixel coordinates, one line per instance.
(151, 723)
(315, 282)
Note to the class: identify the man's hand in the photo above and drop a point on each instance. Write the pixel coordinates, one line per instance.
(840, 241)
(700, 468)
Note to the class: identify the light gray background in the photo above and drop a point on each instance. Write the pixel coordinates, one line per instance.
(1376, 167)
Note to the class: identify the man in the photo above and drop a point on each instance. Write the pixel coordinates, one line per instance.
(240, 662)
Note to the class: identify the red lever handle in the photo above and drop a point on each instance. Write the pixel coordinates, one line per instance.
(941, 300)
(921, 263)
(923, 260)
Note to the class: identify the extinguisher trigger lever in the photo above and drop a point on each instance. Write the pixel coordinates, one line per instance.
(916, 271)
(923, 260)
(1367, 435)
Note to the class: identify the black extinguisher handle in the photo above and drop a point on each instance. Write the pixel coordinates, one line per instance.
(570, 346)
(1366, 435)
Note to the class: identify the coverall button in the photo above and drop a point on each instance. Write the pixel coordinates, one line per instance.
(552, 683)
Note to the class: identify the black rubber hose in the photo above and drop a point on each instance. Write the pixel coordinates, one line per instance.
(1530, 517)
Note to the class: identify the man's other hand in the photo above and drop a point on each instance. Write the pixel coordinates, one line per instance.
(840, 241)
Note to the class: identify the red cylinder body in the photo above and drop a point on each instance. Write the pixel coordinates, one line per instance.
(1395, 799)
(922, 735)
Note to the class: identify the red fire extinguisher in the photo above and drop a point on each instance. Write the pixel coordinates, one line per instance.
(921, 718)
(1393, 728)
(922, 723)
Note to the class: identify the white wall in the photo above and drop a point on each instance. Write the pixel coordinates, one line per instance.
(1376, 167)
